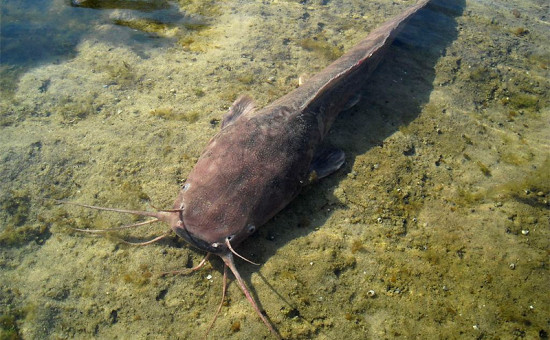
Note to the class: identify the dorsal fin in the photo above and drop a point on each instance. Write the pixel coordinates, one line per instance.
(243, 105)
(365, 55)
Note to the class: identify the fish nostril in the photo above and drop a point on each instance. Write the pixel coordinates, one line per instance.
(251, 229)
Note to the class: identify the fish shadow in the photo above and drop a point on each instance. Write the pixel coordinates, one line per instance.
(392, 97)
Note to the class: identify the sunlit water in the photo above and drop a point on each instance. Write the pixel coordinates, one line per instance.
(436, 226)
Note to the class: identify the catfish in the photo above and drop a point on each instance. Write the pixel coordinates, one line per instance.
(262, 158)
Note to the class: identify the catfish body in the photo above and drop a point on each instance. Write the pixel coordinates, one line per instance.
(247, 173)
(261, 159)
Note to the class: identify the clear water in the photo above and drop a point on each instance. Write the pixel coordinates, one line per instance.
(441, 208)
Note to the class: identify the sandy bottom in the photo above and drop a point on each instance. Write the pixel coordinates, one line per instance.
(436, 227)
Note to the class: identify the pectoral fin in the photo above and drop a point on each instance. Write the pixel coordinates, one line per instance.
(325, 162)
(244, 104)
(352, 102)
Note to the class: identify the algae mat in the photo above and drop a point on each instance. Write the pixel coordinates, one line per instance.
(436, 227)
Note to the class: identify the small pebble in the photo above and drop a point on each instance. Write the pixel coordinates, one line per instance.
(209, 277)
(371, 293)
(525, 231)
(236, 326)
(512, 266)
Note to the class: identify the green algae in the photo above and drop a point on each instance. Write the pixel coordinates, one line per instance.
(321, 46)
(200, 41)
(484, 168)
(532, 188)
(198, 92)
(520, 31)
(12, 236)
(246, 78)
(206, 8)
(17, 206)
(143, 25)
(140, 278)
(522, 101)
(163, 112)
(516, 158)
(8, 326)
(72, 109)
(172, 114)
(120, 72)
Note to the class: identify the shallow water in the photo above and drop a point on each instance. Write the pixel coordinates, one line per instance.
(441, 208)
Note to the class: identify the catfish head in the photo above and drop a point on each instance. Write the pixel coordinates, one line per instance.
(249, 171)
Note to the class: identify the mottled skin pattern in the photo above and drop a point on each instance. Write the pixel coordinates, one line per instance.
(260, 160)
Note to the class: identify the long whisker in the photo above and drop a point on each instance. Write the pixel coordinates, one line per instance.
(228, 259)
(234, 252)
(134, 212)
(224, 290)
(189, 270)
(116, 228)
(150, 241)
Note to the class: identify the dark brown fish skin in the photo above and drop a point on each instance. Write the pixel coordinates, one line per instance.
(260, 160)
(248, 172)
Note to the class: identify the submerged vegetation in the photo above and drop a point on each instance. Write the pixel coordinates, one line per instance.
(172, 114)
(532, 188)
(17, 230)
(321, 46)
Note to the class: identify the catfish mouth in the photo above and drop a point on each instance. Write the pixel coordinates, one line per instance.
(221, 249)
(197, 242)
(217, 248)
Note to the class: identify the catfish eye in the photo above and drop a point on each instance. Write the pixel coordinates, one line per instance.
(251, 229)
